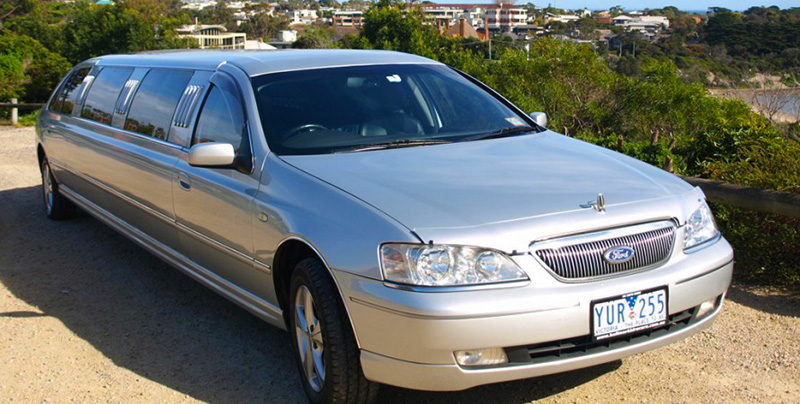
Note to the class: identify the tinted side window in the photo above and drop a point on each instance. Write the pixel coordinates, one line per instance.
(220, 122)
(155, 101)
(66, 99)
(103, 94)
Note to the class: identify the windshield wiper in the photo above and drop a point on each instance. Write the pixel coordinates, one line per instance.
(396, 144)
(505, 132)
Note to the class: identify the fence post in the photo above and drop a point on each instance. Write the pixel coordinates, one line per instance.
(14, 113)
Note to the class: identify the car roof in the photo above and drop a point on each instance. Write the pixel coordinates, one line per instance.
(257, 62)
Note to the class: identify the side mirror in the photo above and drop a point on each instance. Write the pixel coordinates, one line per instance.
(212, 155)
(540, 118)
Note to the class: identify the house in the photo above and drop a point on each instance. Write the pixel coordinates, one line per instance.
(462, 29)
(501, 18)
(621, 20)
(304, 16)
(288, 35)
(347, 18)
(650, 26)
(562, 18)
(213, 36)
(257, 44)
(445, 15)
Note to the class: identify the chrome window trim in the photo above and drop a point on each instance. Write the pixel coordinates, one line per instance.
(87, 82)
(124, 101)
(187, 104)
(130, 133)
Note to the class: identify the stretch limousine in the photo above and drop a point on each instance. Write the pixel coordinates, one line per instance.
(404, 222)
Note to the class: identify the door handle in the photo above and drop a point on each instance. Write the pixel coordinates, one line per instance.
(184, 181)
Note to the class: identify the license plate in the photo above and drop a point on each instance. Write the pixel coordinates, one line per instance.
(629, 313)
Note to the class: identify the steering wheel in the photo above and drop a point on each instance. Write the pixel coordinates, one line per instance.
(309, 127)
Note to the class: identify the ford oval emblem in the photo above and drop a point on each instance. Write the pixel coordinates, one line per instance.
(618, 254)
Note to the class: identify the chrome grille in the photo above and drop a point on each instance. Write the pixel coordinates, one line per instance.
(581, 257)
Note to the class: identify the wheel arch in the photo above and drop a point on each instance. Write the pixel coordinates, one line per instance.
(40, 155)
(290, 252)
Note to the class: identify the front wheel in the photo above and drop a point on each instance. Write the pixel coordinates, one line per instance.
(325, 347)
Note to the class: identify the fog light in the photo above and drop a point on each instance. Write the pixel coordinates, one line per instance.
(481, 357)
(706, 307)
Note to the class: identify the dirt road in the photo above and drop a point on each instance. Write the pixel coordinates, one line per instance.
(87, 316)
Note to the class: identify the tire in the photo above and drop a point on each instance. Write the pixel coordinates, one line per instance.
(337, 357)
(56, 206)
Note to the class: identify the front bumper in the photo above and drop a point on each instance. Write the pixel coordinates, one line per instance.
(407, 338)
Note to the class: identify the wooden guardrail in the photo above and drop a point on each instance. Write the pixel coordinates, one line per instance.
(15, 108)
(20, 106)
(761, 200)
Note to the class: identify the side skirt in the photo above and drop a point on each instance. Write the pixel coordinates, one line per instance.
(259, 307)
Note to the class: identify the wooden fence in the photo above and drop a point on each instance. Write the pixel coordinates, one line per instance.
(15, 107)
(761, 200)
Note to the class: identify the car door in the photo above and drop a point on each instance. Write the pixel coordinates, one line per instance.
(57, 129)
(213, 204)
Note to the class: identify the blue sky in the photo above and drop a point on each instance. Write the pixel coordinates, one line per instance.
(636, 5)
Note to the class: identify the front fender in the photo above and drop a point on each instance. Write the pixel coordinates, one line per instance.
(343, 229)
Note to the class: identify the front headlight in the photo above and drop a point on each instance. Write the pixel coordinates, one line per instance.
(446, 265)
(700, 227)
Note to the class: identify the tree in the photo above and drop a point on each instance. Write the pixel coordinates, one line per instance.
(28, 70)
(263, 25)
(314, 37)
(124, 27)
(390, 25)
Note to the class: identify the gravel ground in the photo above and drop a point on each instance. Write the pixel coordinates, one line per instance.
(87, 316)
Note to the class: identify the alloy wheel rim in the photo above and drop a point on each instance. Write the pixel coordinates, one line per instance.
(308, 331)
(47, 185)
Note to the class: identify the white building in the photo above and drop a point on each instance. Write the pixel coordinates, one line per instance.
(348, 18)
(446, 15)
(648, 25)
(288, 35)
(304, 16)
(563, 18)
(505, 18)
(213, 36)
(257, 44)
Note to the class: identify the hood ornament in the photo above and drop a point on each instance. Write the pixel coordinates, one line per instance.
(599, 204)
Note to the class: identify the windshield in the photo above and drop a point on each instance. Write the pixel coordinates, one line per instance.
(371, 107)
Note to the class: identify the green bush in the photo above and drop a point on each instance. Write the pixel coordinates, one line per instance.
(29, 119)
(28, 70)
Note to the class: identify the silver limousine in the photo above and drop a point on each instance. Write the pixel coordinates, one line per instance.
(405, 223)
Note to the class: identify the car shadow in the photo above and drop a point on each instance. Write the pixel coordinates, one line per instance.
(152, 320)
(781, 302)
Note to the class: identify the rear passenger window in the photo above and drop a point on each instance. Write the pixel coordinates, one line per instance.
(155, 101)
(220, 122)
(65, 100)
(103, 94)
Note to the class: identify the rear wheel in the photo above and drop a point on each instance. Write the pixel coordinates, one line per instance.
(56, 206)
(325, 347)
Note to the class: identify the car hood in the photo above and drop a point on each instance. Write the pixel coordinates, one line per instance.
(537, 184)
